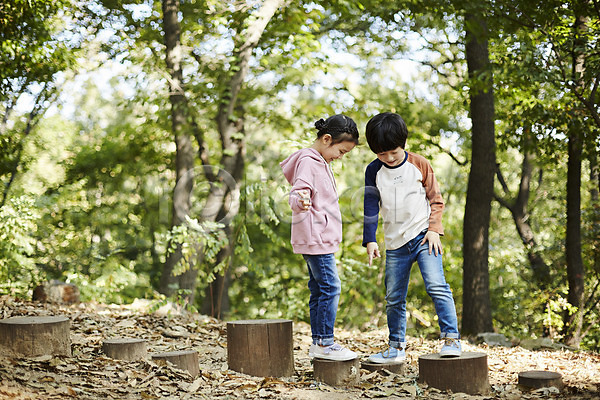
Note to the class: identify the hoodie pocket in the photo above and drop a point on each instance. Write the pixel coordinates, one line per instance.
(309, 227)
(301, 228)
(319, 227)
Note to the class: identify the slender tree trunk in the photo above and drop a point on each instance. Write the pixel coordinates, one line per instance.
(222, 203)
(575, 271)
(46, 96)
(477, 313)
(519, 209)
(184, 157)
(230, 122)
(595, 198)
(575, 268)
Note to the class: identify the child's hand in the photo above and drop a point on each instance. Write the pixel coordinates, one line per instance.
(304, 198)
(435, 243)
(372, 251)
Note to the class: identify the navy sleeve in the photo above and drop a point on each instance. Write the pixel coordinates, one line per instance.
(371, 203)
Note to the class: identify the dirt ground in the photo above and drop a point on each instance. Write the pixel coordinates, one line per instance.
(89, 374)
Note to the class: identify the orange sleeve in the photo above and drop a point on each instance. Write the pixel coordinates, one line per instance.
(432, 192)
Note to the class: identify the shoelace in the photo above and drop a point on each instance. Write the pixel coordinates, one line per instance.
(335, 347)
(388, 351)
(450, 342)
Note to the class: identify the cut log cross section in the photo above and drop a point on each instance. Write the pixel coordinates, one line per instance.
(337, 373)
(261, 347)
(540, 379)
(466, 374)
(185, 359)
(35, 336)
(128, 349)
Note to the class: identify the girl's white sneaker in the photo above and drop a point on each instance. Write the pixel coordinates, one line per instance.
(334, 352)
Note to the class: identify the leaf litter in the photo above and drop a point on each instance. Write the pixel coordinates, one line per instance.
(89, 374)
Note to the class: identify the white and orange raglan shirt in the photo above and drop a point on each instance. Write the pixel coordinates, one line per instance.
(408, 198)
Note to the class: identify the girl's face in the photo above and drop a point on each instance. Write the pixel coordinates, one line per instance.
(335, 151)
(392, 158)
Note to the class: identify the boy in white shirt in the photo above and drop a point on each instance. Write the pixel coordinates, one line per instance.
(402, 187)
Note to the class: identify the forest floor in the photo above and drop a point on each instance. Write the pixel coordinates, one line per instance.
(89, 374)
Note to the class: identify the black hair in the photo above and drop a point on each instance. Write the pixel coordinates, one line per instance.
(386, 131)
(340, 127)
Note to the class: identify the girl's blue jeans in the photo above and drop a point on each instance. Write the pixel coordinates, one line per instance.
(398, 264)
(325, 288)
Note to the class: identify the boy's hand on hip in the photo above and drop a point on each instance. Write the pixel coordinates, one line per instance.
(435, 244)
(372, 251)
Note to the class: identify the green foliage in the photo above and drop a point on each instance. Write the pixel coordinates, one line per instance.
(30, 51)
(103, 179)
(180, 300)
(18, 272)
(197, 241)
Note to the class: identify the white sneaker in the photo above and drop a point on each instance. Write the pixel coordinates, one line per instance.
(451, 348)
(312, 350)
(335, 352)
(390, 355)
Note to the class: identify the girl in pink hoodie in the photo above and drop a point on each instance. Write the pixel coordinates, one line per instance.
(317, 226)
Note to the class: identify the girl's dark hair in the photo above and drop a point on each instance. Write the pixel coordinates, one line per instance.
(340, 127)
(386, 131)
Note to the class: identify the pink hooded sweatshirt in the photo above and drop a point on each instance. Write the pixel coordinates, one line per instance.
(317, 230)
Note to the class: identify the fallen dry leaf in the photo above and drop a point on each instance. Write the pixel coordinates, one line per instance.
(90, 375)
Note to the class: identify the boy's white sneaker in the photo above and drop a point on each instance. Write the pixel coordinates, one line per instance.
(389, 356)
(335, 352)
(451, 348)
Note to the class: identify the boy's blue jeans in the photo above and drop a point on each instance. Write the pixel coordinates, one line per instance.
(398, 264)
(325, 288)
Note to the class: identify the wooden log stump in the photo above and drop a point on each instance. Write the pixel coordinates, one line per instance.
(56, 292)
(540, 379)
(184, 359)
(261, 347)
(467, 373)
(337, 373)
(397, 368)
(35, 336)
(128, 349)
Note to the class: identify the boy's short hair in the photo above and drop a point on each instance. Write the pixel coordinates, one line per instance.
(386, 131)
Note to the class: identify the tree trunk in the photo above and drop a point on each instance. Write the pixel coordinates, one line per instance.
(520, 214)
(230, 122)
(216, 300)
(575, 269)
(477, 314)
(595, 198)
(184, 157)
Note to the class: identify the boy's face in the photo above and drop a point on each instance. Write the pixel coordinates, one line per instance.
(392, 158)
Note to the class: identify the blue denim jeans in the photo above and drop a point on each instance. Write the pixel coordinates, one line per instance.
(325, 288)
(398, 264)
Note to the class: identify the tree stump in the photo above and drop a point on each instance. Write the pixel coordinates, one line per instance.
(128, 349)
(35, 336)
(261, 347)
(397, 368)
(185, 359)
(540, 379)
(56, 292)
(337, 373)
(467, 373)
